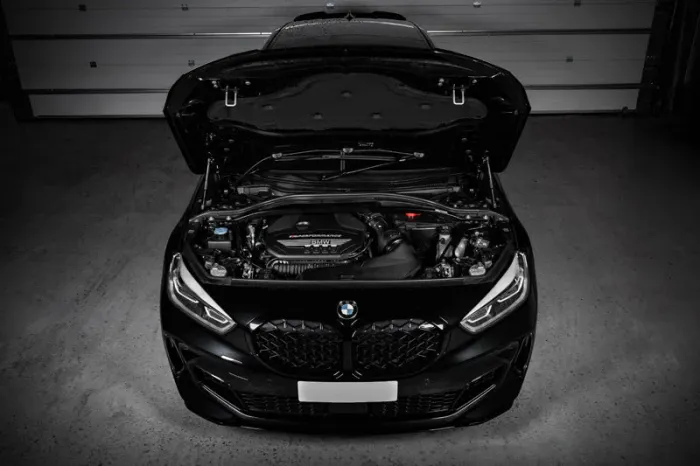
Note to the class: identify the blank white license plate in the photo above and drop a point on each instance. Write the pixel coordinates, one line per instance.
(348, 392)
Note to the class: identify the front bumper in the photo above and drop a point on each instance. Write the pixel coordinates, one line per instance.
(222, 382)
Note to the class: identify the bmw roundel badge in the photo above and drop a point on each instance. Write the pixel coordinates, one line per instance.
(347, 309)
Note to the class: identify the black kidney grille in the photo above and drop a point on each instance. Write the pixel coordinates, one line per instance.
(389, 348)
(396, 347)
(299, 347)
(405, 407)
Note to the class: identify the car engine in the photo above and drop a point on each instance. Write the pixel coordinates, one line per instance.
(318, 245)
(303, 241)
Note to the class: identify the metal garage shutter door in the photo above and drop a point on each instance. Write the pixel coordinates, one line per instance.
(119, 57)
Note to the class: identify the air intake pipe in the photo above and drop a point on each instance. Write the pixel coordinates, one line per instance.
(388, 239)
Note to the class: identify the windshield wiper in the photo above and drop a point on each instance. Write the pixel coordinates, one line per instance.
(307, 154)
(405, 157)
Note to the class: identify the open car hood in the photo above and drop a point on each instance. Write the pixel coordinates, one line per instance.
(247, 106)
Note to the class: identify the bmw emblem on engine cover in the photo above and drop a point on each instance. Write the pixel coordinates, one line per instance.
(347, 309)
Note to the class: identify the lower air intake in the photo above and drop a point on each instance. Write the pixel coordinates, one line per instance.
(416, 406)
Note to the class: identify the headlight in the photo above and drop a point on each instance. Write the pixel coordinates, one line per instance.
(189, 296)
(506, 295)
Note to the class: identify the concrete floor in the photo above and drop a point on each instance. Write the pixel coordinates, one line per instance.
(611, 205)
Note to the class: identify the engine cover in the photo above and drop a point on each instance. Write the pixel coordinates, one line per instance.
(314, 237)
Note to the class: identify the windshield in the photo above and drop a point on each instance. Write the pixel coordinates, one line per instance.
(316, 176)
(380, 179)
(438, 184)
(319, 165)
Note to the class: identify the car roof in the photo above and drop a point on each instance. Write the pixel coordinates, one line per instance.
(375, 29)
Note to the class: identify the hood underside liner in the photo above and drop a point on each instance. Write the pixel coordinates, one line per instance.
(250, 105)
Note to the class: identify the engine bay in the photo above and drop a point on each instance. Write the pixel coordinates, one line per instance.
(326, 243)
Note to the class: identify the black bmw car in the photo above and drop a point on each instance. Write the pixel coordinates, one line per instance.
(349, 258)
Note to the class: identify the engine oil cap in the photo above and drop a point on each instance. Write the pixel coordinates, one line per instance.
(220, 231)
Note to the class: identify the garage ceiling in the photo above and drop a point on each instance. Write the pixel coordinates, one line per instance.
(119, 57)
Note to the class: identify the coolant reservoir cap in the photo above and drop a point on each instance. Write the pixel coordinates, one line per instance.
(477, 270)
(218, 271)
(220, 230)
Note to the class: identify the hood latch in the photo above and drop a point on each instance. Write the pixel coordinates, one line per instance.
(455, 99)
(235, 97)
